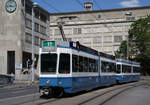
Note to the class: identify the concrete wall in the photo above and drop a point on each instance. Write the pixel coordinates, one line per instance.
(10, 35)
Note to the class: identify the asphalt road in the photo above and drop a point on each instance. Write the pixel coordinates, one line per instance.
(15, 92)
(135, 96)
(18, 95)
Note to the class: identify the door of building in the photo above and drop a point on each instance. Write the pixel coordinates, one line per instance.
(10, 62)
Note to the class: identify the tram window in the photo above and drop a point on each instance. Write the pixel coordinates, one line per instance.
(128, 69)
(48, 63)
(113, 67)
(123, 68)
(136, 69)
(64, 63)
(86, 60)
(75, 65)
(81, 62)
(118, 69)
(90, 65)
(95, 66)
(103, 66)
(107, 67)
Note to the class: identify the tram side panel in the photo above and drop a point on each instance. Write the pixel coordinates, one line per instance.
(107, 71)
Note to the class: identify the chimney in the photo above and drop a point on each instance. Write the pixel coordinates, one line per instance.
(88, 6)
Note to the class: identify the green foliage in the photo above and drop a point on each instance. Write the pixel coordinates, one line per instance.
(122, 52)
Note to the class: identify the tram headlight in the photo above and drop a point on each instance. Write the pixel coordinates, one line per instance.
(48, 81)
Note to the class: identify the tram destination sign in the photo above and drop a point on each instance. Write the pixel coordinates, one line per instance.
(52, 45)
(49, 46)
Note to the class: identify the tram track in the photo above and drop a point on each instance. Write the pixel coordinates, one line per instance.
(94, 97)
(108, 95)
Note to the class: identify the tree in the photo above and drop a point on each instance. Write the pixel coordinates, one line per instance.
(138, 43)
(139, 34)
(122, 51)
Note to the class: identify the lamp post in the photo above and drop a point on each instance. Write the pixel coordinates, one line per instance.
(33, 6)
(128, 14)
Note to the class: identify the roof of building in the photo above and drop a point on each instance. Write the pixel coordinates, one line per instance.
(95, 11)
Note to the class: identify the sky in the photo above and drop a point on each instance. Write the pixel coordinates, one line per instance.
(56, 6)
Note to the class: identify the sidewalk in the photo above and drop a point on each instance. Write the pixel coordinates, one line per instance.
(18, 84)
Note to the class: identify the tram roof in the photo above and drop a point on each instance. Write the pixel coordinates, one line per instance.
(52, 45)
(128, 61)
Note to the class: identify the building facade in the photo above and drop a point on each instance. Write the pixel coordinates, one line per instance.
(16, 35)
(102, 30)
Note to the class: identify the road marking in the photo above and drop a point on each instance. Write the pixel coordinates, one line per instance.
(6, 99)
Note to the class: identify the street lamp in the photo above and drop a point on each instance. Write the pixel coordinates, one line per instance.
(33, 6)
(128, 14)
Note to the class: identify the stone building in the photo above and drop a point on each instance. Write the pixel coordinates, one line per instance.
(102, 30)
(16, 34)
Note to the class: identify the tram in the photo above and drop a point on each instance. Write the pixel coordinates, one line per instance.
(127, 71)
(68, 67)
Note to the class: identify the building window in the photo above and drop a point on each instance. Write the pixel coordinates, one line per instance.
(37, 13)
(36, 40)
(117, 38)
(77, 31)
(36, 27)
(28, 23)
(42, 30)
(43, 17)
(28, 37)
(28, 9)
(94, 30)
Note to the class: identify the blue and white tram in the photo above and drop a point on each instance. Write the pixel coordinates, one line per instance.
(69, 67)
(125, 71)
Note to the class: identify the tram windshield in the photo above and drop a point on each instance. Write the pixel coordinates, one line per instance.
(48, 63)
